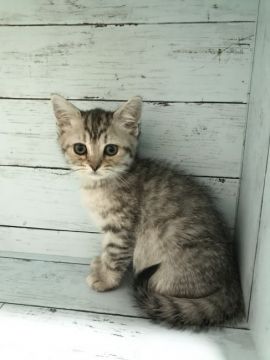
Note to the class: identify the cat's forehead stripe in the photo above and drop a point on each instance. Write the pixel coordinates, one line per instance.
(96, 122)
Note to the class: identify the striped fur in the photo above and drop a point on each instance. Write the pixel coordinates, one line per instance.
(153, 217)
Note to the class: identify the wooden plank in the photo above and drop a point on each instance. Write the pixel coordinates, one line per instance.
(259, 309)
(63, 286)
(206, 139)
(49, 245)
(255, 156)
(95, 336)
(106, 11)
(44, 198)
(59, 285)
(201, 62)
(259, 317)
(54, 245)
(71, 247)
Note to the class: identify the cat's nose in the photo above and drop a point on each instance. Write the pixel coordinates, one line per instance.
(94, 167)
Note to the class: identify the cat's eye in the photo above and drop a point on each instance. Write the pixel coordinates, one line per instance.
(80, 149)
(110, 150)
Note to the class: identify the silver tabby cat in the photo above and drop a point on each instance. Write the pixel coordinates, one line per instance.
(162, 222)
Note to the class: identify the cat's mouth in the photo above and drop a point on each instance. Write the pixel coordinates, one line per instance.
(95, 174)
(100, 174)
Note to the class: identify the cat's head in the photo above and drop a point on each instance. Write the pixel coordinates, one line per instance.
(99, 144)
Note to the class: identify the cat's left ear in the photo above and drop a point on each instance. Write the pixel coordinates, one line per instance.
(128, 115)
(64, 111)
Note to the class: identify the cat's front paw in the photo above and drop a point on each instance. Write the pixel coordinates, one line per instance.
(102, 279)
(98, 284)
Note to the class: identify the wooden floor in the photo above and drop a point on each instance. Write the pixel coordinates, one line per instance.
(49, 299)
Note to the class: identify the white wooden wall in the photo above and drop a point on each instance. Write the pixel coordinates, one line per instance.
(191, 62)
(259, 318)
(255, 154)
(254, 206)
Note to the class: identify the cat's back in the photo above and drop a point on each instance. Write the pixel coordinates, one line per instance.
(164, 179)
(168, 195)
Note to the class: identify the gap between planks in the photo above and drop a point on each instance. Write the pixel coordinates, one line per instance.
(153, 101)
(99, 24)
(49, 229)
(69, 170)
(57, 213)
(204, 139)
(243, 326)
(50, 245)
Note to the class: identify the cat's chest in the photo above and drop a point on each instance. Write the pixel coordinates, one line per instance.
(98, 201)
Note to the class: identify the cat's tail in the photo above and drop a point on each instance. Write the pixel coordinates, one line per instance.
(212, 310)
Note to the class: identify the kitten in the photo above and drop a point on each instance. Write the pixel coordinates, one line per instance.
(153, 217)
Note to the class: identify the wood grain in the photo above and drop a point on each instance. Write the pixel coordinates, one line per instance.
(106, 11)
(59, 285)
(62, 285)
(255, 157)
(62, 246)
(94, 336)
(260, 163)
(49, 245)
(205, 139)
(200, 62)
(192, 61)
(259, 317)
(49, 199)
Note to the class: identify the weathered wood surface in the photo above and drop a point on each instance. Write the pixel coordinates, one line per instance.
(96, 336)
(60, 285)
(55, 245)
(259, 309)
(255, 156)
(49, 245)
(203, 62)
(107, 11)
(44, 198)
(205, 139)
(259, 318)
(63, 286)
(199, 62)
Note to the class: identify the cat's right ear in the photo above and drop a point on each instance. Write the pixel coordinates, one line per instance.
(64, 111)
(128, 115)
